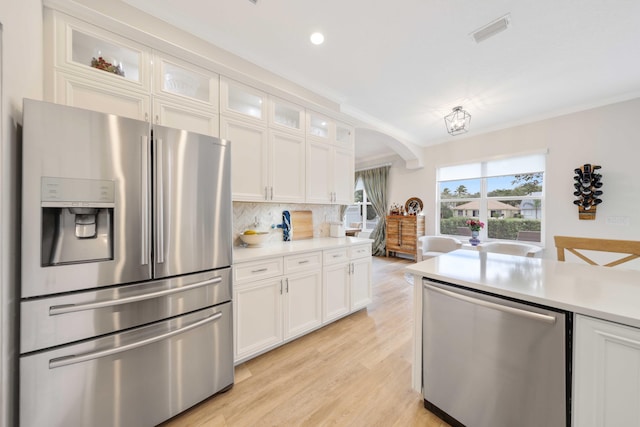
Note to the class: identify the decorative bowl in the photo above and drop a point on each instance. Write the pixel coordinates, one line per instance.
(255, 240)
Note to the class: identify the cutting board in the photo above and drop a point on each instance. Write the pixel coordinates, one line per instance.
(301, 225)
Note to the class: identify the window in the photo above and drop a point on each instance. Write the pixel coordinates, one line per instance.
(361, 212)
(506, 194)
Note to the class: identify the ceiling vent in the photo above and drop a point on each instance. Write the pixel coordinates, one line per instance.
(491, 29)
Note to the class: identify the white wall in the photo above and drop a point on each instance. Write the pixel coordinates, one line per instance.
(21, 77)
(607, 136)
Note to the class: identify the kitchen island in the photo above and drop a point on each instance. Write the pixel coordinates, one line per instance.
(606, 330)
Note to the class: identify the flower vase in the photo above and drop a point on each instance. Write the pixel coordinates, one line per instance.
(474, 238)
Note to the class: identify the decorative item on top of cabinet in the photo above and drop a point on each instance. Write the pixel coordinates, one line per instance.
(413, 206)
(396, 209)
(403, 232)
(587, 185)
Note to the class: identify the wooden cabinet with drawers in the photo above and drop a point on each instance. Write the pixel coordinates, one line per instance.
(403, 233)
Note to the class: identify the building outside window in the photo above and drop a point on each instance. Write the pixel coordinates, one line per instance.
(360, 214)
(505, 194)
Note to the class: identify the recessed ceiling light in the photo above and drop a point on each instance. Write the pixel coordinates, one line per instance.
(317, 38)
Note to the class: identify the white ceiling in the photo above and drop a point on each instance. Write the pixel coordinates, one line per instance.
(402, 65)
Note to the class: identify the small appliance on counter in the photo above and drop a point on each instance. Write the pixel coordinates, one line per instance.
(336, 229)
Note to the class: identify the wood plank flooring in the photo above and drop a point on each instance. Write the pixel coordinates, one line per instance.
(353, 372)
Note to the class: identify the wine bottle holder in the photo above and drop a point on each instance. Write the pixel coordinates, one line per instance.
(587, 190)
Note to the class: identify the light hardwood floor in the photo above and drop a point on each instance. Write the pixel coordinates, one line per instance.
(353, 372)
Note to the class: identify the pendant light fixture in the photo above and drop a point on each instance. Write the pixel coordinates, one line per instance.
(457, 121)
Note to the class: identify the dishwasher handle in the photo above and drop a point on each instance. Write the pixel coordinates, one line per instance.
(504, 308)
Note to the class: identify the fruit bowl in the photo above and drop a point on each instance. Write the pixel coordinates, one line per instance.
(255, 238)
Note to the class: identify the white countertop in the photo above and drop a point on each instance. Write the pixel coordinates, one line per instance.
(604, 292)
(241, 254)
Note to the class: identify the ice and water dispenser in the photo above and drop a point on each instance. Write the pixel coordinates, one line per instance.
(77, 220)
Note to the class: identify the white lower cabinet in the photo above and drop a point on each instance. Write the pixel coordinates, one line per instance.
(302, 305)
(336, 291)
(347, 281)
(281, 298)
(271, 311)
(361, 293)
(606, 374)
(258, 317)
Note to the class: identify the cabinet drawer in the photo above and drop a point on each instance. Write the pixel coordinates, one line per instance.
(250, 271)
(335, 256)
(308, 261)
(361, 251)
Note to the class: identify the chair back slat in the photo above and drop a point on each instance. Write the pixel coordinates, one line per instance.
(629, 248)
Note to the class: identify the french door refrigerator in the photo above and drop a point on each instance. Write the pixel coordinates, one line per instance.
(125, 309)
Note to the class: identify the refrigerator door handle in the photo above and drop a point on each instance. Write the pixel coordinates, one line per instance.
(70, 360)
(70, 308)
(159, 204)
(144, 186)
(518, 312)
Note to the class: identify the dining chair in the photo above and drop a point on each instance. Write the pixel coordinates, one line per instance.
(511, 248)
(629, 249)
(432, 246)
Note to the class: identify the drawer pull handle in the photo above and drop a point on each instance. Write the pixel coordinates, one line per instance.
(260, 270)
(337, 256)
(70, 308)
(70, 360)
(303, 262)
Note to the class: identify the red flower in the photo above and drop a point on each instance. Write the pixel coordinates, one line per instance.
(475, 225)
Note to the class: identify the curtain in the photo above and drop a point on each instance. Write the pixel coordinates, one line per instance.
(375, 184)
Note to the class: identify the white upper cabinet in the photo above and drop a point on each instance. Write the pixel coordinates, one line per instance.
(281, 151)
(78, 91)
(286, 116)
(320, 127)
(181, 115)
(344, 135)
(85, 49)
(98, 70)
(330, 160)
(185, 96)
(249, 159)
(286, 167)
(343, 176)
(242, 101)
(183, 81)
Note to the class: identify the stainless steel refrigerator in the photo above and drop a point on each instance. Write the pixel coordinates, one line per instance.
(125, 310)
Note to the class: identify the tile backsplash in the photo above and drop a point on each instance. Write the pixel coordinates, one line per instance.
(261, 216)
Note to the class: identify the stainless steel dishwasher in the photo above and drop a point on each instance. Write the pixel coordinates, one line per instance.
(491, 361)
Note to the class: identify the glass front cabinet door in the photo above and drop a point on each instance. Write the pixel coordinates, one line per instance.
(242, 101)
(90, 50)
